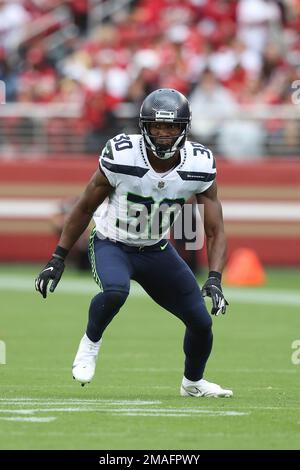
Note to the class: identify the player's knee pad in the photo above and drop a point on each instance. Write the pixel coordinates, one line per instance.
(108, 301)
(114, 299)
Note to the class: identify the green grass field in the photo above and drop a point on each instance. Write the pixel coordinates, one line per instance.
(134, 402)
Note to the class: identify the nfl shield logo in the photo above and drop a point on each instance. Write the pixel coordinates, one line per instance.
(161, 184)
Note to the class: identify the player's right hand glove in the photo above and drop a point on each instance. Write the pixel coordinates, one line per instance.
(212, 288)
(52, 271)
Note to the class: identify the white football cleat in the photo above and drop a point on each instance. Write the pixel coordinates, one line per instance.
(84, 365)
(202, 388)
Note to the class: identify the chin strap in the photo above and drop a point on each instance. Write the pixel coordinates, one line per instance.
(164, 155)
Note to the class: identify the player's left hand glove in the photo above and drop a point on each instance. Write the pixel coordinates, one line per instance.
(53, 270)
(212, 288)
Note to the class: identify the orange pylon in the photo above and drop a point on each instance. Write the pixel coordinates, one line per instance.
(244, 269)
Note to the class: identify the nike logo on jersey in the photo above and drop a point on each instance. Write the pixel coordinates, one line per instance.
(47, 269)
(163, 247)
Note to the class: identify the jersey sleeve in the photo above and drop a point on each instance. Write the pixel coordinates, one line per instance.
(106, 164)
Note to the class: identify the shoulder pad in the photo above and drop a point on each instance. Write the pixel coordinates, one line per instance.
(201, 156)
(199, 150)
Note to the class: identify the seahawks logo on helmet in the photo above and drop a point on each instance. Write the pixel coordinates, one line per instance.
(165, 105)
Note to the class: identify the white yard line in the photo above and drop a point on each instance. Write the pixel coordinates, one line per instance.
(124, 404)
(184, 415)
(13, 411)
(30, 420)
(102, 406)
(120, 411)
(85, 286)
(105, 409)
(132, 408)
(71, 401)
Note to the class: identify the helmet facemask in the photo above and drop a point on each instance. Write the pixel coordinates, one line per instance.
(161, 150)
(155, 143)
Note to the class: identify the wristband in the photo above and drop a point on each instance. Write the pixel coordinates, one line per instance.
(215, 274)
(60, 252)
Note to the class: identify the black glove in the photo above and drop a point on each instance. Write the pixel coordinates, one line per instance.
(53, 270)
(212, 288)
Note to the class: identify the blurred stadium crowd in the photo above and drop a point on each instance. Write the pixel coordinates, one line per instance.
(221, 53)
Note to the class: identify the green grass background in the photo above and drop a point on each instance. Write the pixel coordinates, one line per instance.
(142, 359)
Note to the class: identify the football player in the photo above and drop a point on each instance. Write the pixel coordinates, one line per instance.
(137, 176)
